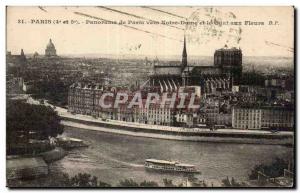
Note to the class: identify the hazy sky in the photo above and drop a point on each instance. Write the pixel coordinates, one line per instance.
(150, 39)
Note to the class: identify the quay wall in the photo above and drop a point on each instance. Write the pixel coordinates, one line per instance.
(186, 135)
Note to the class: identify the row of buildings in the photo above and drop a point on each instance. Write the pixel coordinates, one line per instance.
(85, 99)
(221, 98)
(264, 117)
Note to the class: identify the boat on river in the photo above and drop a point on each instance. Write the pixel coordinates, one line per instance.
(169, 166)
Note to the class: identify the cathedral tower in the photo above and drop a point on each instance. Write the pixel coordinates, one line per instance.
(184, 55)
(230, 61)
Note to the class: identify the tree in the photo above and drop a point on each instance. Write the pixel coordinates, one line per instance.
(168, 183)
(84, 180)
(275, 169)
(232, 183)
(148, 184)
(53, 89)
(128, 183)
(226, 182)
(103, 184)
(26, 121)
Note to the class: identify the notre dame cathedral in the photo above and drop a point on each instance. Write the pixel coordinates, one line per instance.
(221, 76)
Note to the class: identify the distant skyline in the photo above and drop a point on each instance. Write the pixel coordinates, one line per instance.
(149, 40)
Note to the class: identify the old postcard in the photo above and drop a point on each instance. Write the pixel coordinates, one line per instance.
(150, 96)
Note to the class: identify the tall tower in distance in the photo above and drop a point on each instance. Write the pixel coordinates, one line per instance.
(184, 74)
(184, 55)
(50, 50)
(230, 60)
(23, 59)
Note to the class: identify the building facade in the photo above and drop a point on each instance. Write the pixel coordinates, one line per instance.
(263, 118)
(277, 117)
(85, 99)
(246, 118)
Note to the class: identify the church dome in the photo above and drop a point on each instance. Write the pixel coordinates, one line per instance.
(50, 44)
(50, 49)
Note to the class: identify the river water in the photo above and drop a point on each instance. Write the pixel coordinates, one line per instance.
(113, 157)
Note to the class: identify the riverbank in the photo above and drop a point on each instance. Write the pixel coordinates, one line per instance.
(172, 133)
(177, 133)
(27, 170)
(30, 167)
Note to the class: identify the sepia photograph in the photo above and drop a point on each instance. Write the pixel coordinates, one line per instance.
(150, 97)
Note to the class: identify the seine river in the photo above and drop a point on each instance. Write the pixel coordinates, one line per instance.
(113, 157)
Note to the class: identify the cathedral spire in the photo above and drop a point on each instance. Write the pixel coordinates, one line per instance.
(184, 55)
